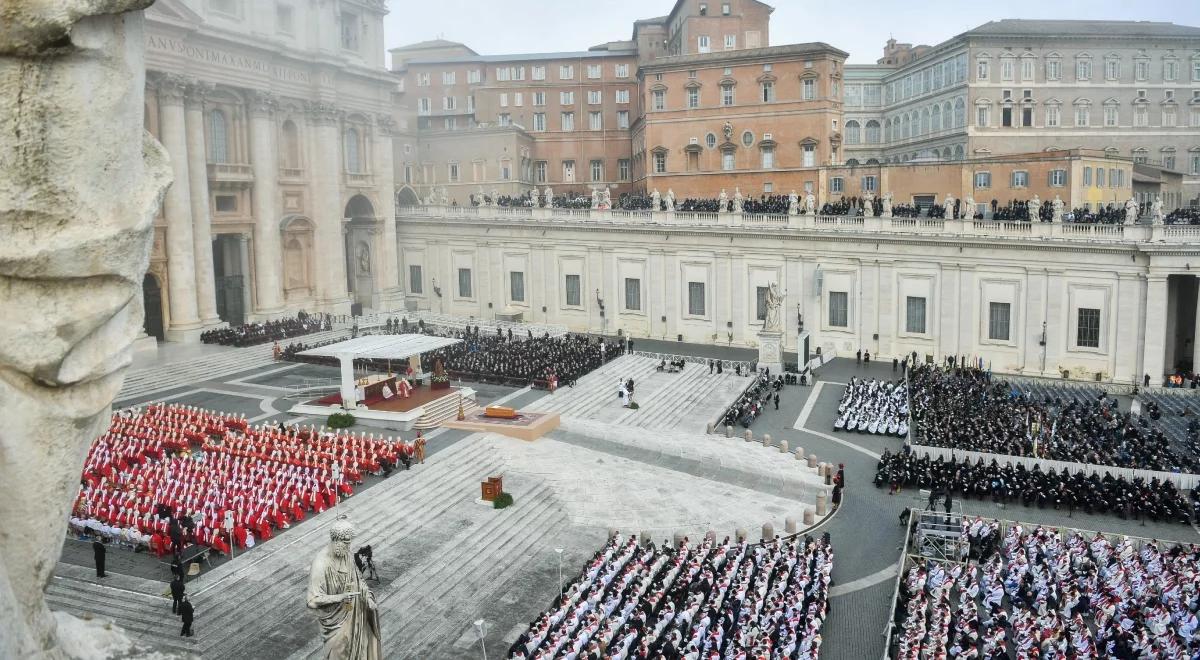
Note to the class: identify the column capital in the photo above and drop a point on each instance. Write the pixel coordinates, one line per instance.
(262, 104)
(171, 88)
(322, 113)
(197, 92)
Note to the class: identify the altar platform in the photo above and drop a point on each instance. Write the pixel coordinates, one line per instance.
(525, 426)
(423, 409)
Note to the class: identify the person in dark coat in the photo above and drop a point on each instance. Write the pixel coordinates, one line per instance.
(187, 614)
(98, 551)
(777, 401)
(176, 594)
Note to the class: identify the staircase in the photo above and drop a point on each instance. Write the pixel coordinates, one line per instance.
(145, 619)
(446, 408)
(143, 382)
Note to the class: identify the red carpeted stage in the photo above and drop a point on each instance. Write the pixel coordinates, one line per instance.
(420, 396)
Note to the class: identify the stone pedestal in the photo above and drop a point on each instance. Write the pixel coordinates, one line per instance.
(770, 351)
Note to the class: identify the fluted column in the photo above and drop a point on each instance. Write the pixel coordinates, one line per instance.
(268, 254)
(177, 208)
(206, 284)
(327, 207)
(391, 296)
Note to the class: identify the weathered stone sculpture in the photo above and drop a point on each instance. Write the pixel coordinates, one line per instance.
(793, 203)
(655, 199)
(79, 182)
(737, 200)
(1156, 210)
(1131, 211)
(548, 196)
(948, 208)
(722, 199)
(670, 201)
(1056, 208)
(887, 205)
(1035, 209)
(773, 322)
(342, 600)
(869, 205)
(968, 212)
(810, 204)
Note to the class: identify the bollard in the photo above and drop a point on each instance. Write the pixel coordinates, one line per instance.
(613, 531)
(766, 439)
(748, 435)
(728, 431)
(789, 525)
(708, 430)
(783, 447)
(768, 532)
(710, 536)
(812, 460)
(809, 520)
(677, 540)
(821, 504)
(646, 538)
(828, 475)
(800, 453)
(741, 535)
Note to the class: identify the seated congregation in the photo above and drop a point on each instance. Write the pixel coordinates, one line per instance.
(167, 475)
(754, 400)
(252, 334)
(731, 599)
(873, 406)
(963, 408)
(1008, 484)
(1041, 592)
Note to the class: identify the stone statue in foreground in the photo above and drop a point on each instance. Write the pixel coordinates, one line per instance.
(342, 601)
(79, 183)
(773, 322)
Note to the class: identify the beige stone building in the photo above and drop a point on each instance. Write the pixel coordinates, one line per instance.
(279, 125)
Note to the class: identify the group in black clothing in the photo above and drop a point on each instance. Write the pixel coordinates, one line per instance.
(251, 334)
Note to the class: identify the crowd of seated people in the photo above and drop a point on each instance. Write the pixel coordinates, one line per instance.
(169, 466)
(672, 367)
(710, 600)
(753, 401)
(1040, 592)
(1008, 484)
(871, 406)
(1183, 216)
(251, 334)
(503, 358)
(962, 408)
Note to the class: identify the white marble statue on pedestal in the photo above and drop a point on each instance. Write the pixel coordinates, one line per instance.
(595, 199)
(342, 600)
(670, 200)
(722, 200)
(548, 198)
(948, 207)
(737, 200)
(1131, 211)
(655, 200)
(810, 204)
(869, 205)
(1035, 209)
(606, 198)
(80, 183)
(968, 212)
(444, 197)
(1056, 209)
(887, 204)
(793, 203)
(1156, 210)
(431, 198)
(773, 321)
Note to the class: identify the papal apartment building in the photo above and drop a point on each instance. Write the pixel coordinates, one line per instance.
(699, 100)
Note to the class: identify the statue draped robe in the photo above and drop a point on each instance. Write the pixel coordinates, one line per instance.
(351, 630)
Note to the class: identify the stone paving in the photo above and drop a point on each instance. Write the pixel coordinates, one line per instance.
(446, 561)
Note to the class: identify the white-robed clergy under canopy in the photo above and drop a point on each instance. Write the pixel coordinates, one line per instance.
(379, 347)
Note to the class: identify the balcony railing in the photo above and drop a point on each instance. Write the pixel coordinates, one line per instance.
(929, 227)
(230, 173)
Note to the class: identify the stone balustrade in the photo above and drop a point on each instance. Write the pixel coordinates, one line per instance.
(934, 227)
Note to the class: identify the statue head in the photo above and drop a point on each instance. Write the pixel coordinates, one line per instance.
(340, 535)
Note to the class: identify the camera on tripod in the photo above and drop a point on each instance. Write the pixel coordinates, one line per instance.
(363, 560)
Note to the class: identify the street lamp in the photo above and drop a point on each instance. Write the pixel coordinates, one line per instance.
(559, 552)
(481, 630)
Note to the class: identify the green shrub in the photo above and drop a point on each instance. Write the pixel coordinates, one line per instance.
(633, 405)
(502, 501)
(340, 421)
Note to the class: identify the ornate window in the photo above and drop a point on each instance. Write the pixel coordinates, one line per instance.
(218, 137)
(353, 155)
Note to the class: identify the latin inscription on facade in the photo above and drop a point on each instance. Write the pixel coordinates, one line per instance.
(206, 55)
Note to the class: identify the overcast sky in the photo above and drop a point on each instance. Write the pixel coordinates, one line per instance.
(494, 27)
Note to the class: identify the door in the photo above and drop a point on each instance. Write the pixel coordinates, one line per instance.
(152, 303)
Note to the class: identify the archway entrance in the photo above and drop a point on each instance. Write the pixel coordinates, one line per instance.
(360, 251)
(407, 197)
(231, 270)
(152, 324)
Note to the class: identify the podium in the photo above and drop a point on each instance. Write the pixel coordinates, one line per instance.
(492, 488)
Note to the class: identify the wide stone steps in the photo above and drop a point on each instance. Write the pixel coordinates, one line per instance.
(141, 382)
(380, 516)
(666, 392)
(428, 617)
(598, 389)
(690, 408)
(145, 618)
(443, 409)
